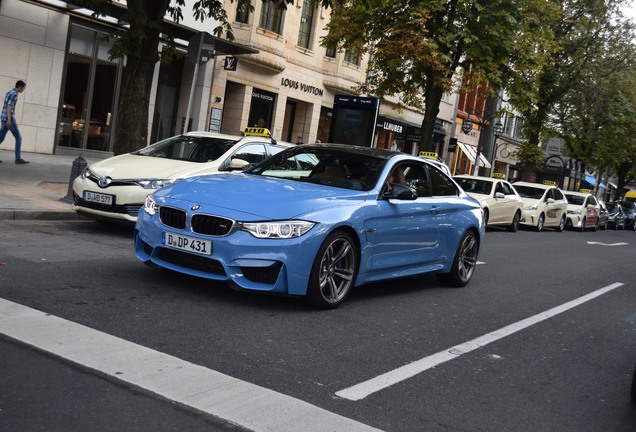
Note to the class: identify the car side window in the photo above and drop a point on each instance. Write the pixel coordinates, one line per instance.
(251, 153)
(557, 194)
(593, 201)
(415, 177)
(506, 188)
(441, 185)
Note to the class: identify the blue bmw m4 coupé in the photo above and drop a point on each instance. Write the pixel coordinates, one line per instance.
(315, 221)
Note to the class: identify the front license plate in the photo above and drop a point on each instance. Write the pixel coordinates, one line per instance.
(190, 244)
(98, 198)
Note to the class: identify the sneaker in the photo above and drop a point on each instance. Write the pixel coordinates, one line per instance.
(21, 162)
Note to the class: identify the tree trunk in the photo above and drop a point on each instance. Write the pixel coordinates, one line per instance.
(433, 97)
(132, 113)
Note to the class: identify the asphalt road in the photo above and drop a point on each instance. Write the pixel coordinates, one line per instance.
(542, 339)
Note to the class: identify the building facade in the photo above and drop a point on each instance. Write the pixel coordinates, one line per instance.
(275, 74)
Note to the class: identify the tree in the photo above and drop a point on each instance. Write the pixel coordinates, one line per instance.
(582, 33)
(140, 46)
(417, 47)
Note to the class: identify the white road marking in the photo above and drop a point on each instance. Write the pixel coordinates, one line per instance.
(248, 405)
(366, 388)
(607, 244)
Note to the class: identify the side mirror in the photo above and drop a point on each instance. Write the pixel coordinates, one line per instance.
(550, 201)
(237, 164)
(499, 195)
(401, 192)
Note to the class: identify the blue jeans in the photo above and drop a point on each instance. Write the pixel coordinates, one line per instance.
(16, 134)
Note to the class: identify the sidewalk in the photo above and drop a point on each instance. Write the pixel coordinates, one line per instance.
(36, 190)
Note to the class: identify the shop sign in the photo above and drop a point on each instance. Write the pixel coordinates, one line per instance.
(304, 87)
(229, 63)
(391, 127)
(257, 95)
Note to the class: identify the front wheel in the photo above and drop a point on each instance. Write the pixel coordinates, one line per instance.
(583, 222)
(334, 271)
(514, 225)
(464, 262)
(541, 222)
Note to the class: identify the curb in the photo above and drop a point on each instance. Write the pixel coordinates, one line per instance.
(38, 215)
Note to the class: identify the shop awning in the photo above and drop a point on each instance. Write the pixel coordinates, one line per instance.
(471, 153)
(592, 180)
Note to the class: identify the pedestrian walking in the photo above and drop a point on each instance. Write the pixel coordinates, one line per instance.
(299, 140)
(8, 119)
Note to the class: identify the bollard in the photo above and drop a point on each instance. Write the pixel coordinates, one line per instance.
(79, 165)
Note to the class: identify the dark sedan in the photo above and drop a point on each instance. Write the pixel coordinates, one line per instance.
(615, 216)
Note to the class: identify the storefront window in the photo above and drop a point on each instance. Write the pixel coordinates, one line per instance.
(261, 109)
(89, 92)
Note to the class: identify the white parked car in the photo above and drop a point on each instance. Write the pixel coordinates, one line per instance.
(544, 205)
(501, 203)
(583, 210)
(114, 189)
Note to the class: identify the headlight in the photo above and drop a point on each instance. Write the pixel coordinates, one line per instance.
(278, 229)
(155, 183)
(532, 207)
(150, 206)
(86, 173)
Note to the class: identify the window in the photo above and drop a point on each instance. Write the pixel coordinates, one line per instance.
(330, 52)
(251, 153)
(352, 57)
(242, 13)
(271, 17)
(306, 22)
(441, 185)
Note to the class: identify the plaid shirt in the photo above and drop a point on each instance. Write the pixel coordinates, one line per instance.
(10, 99)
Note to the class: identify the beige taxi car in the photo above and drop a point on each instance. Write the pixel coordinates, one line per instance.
(583, 211)
(114, 189)
(500, 201)
(544, 205)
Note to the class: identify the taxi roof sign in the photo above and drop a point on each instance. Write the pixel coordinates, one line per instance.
(257, 131)
(499, 175)
(430, 155)
(549, 183)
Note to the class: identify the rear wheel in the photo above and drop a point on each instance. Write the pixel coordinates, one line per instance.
(514, 225)
(334, 271)
(464, 262)
(561, 224)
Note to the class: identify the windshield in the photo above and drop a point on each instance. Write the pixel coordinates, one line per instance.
(612, 207)
(575, 199)
(187, 148)
(628, 207)
(475, 185)
(333, 167)
(530, 192)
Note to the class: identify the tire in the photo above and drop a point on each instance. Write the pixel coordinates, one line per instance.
(583, 225)
(464, 262)
(514, 226)
(334, 271)
(604, 227)
(541, 222)
(561, 226)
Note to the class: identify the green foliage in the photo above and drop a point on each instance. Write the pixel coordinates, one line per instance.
(418, 46)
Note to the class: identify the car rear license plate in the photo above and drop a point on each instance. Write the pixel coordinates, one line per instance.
(99, 198)
(190, 244)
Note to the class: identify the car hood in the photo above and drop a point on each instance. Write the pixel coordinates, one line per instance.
(134, 166)
(479, 197)
(245, 196)
(529, 201)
